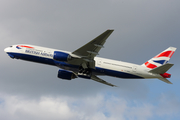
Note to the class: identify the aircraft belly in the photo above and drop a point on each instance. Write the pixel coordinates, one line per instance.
(118, 74)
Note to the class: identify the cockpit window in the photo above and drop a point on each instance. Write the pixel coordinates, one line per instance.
(10, 46)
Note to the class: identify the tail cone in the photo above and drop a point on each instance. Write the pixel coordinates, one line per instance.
(166, 75)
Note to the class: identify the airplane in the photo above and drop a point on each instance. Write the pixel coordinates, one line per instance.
(83, 62)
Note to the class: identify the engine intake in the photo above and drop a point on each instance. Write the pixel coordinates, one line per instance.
(64, 74)
(61, 56)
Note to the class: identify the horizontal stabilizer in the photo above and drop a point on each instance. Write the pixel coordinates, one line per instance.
(161, 69)
(95, 78)
(165, 80)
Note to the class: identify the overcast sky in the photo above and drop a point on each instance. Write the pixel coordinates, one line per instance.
(143, 28)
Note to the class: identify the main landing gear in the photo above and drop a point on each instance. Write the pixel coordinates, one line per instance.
(84, 71)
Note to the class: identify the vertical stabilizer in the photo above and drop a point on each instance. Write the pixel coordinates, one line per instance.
(160, 59)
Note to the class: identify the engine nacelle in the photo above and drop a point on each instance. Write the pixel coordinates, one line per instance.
(61, 56)
(64, 74)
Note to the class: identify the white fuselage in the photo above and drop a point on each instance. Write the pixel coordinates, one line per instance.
(103, 66)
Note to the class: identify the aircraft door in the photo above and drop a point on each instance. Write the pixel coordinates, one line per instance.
(134, 69)
(99, 62)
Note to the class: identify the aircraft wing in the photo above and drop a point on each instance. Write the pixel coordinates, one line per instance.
(91, 49)
(95, 78)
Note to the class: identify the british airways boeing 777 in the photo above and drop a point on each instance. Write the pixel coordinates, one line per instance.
(84, 63)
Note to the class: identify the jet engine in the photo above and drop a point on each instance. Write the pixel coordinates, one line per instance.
(61, 56)
(67, 75)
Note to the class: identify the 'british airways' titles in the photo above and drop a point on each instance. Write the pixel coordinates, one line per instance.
(37, 52)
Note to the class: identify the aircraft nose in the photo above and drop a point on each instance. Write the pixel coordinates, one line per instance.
(6, 49)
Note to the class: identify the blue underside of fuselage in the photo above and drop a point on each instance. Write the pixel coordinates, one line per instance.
(97, 71)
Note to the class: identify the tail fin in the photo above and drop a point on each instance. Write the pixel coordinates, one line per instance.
(159, 64)
(160, 59)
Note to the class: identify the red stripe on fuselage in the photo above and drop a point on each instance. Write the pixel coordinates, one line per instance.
(25, 46)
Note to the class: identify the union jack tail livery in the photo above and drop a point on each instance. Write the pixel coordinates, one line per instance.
(160, 59)
(159, 64)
